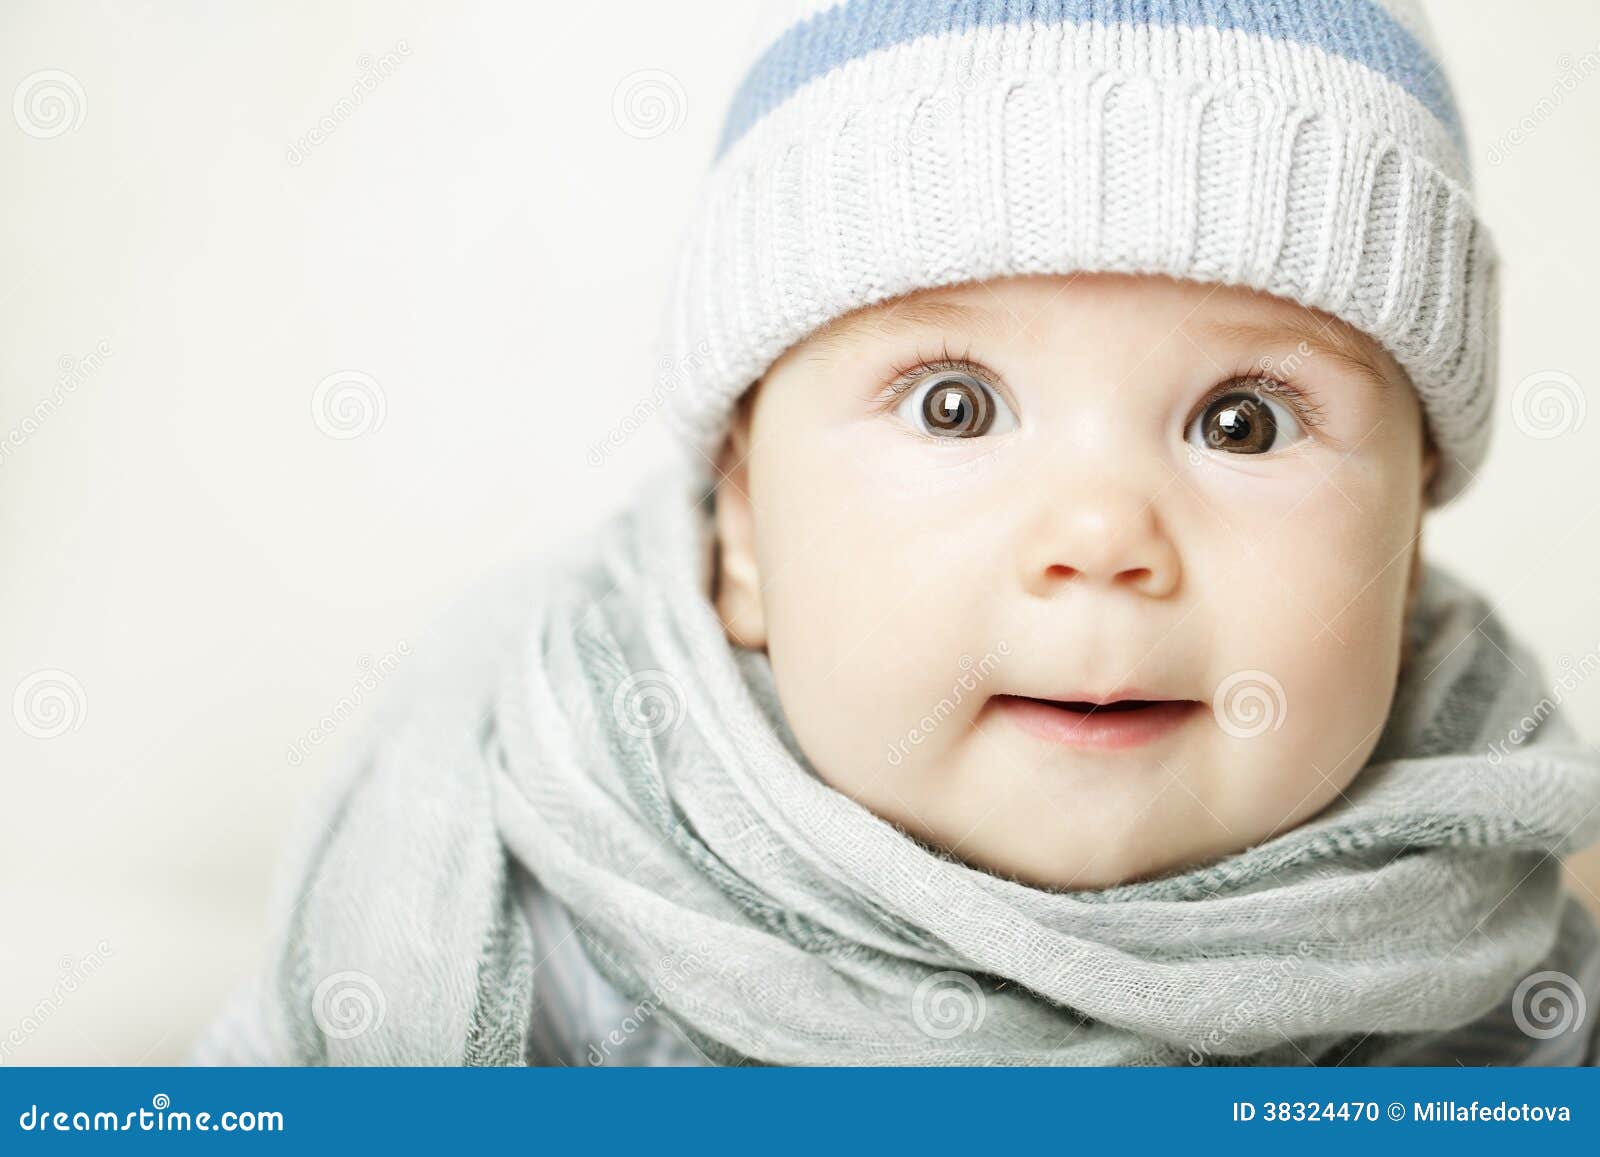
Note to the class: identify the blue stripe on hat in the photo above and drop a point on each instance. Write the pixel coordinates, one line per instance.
(1360, 30)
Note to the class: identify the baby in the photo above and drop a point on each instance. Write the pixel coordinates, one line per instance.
(1160, 506)
(1032, 659)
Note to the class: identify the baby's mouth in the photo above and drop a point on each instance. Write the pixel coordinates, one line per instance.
(1109, 725)
(1086, 706)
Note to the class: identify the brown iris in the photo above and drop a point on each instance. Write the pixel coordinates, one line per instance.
(957, 405)
(1240, 423)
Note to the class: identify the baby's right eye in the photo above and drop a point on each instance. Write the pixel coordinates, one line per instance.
(954, 404)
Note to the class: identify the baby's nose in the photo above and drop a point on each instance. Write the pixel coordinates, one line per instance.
(1112, 539)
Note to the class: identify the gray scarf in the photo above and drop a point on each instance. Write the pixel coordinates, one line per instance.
(612, 744)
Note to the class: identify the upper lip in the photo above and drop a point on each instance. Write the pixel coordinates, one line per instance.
(1101, 699)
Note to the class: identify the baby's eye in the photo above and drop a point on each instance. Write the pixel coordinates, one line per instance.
(1245, 421)
(955, 404)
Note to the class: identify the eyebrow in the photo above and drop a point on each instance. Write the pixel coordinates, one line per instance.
(907, 313)
(1322, 339)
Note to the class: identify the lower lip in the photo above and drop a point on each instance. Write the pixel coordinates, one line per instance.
(1098, 730)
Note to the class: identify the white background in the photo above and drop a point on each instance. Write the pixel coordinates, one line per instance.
(483, 238)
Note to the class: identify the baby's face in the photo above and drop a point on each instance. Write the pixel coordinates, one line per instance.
(946, 516)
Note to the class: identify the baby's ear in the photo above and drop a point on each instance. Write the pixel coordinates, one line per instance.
(738, 584)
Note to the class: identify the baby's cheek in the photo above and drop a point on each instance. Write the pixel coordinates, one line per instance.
(1302, 701)
(856, 638)
(1348, 571)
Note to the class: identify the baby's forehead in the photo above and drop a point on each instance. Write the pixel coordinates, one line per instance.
(1026, 308)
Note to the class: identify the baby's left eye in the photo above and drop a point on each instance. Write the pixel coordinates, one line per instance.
(1245, 421)
(955, 404)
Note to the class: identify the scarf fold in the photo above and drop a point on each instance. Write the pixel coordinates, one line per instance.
(620, 751)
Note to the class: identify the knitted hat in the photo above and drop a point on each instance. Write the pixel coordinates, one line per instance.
(1310, 149)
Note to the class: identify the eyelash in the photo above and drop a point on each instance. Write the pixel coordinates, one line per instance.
(904, 378)
(1305, 407)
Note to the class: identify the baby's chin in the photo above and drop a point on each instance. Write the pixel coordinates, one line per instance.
(1095, 873)
(1089, 869)
(1098, 821)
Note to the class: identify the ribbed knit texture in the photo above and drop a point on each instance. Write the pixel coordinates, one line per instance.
(1311, 150)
